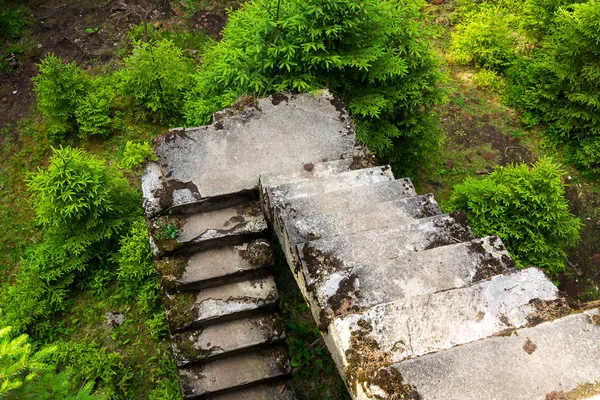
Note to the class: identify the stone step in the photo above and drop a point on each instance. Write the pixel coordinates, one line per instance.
(187, 310)
(339, 283)
(227, 157)
(340, 201)
(227, 338)
(326, 184)
(380, 216)
(378, 233)
(539, 362)
(269, 391)
(215, 266)
(232, 372)
(198, 232)
(345, 200)
(307, 172)
(419, 325)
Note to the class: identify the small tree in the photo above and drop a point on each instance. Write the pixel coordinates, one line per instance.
(58, 88)
(82, 202)
(157, 76)
(374, 54)
(525, 207)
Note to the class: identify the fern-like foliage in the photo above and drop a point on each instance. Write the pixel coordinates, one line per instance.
(374, 54)
(525, 207)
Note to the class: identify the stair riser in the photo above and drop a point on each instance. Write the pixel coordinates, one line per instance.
(222, 280)
(229, 317)
(211, 395)
(210, 244)
(212, 203)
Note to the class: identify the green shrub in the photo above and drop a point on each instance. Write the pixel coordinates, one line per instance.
(525, 207)
(157, 76)
(58, 89)
(93, 110)
(12, 20)
(486, 38)
(136, 154)
(82, 201)
(488, 81)
(134, 259)
(374, 54)
(586, 156)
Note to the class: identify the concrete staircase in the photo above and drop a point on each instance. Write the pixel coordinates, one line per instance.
(221, 304)
(208, 233)
(412, 305)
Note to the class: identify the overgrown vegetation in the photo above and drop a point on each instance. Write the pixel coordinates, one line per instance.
(526, 208)
(375, 55)
(75, 244)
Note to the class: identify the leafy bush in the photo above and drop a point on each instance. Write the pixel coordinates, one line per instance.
(374, 54)
(568, 74)
(488, 81)
(19, 363)
(12, 20)
(157, 76)
(525, 207)
(586, 155)
(486, 38)
(136, 154)
(93, 110)
(58, 89)
(82, 201)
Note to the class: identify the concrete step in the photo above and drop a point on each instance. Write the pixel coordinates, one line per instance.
(227, 157)
(388, 214)
(187, 310)
(340, 201)
(227, 338)
(216, 266)
(418, 325)
(337, 283)
(306, 172)
(330, 183)
(233, 372)
(268, 391)
(540, 362)
(382, 234)
(198, 232)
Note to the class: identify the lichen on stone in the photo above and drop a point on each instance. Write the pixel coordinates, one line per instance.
(258, 253)
(179, 309)
(547, 310)
(368, 366)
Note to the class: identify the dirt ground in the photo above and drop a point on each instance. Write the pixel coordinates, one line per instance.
(59, 27)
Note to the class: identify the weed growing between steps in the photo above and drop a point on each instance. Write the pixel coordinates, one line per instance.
(314, 373)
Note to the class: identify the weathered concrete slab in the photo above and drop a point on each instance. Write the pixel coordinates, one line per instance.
(217, 228)
(228, 337)
(186, 310)
(336, 287)
(231, 372)
(327, 184)
(419, 325)
(216, 266)
(268, 136)
(529, 364)
(389, 214)
(306, 172)
(272, 391)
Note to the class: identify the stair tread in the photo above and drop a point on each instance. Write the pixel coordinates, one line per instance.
(380, 216)
(340, 285)
(186, 309)
(214, 266)
(200, 344)
(418, 325)
(307, 172)
(329, 183)
(272, 391)
(228, 373)
(555, 356)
